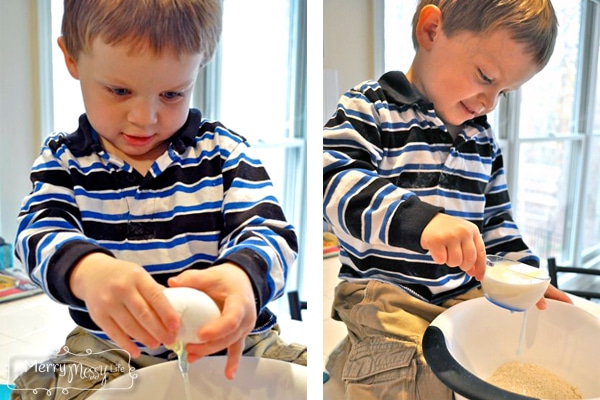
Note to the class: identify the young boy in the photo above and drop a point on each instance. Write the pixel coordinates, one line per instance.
(414, 187)
(148, 194)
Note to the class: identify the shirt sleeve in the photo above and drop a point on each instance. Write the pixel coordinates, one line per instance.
(356, 199)
(500, 232)
(50, 239)
(256, 235)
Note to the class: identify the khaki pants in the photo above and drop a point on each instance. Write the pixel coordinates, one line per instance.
(99, 355)
(382, 357)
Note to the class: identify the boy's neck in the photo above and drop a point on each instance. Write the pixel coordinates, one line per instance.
(412, 78)
(453, 130)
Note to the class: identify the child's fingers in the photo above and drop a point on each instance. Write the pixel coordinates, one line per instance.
(129, 325)
(142, 323)
(130, 317)
(115, 319)
(198, 279)
(156, 314)
(233, 326)
(439, 254)
(230, 320)
(455, 255)
(480, 261)
(234, 353)
(200, 350)
(118, 335)
(469, 253)
(555, 294)
(541, 304)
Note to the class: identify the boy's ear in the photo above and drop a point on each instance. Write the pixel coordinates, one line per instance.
(429, 26)
(69, 60)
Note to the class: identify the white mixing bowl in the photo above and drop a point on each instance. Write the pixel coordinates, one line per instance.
(467, 343)
(256, 378)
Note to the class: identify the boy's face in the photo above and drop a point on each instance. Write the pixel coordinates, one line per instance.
(135, 100)
(464, 75)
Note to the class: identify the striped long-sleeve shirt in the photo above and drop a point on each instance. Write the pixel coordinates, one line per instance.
(203, 202)
(390, 165)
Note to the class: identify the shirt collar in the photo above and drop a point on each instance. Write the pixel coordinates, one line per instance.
(398, 89)
(84, 141)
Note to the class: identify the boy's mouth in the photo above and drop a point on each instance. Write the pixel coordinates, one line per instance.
(137, 140)
(469, 110)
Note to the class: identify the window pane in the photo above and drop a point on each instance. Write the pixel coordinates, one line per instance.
(596, 127)
(256, 78)
(68, 103)
(591, 207)
(399, 50)
(542, 201)
(591, 236)
(255, 70)
(548, 99)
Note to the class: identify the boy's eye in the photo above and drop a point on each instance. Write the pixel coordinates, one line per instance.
(119, 91)
(484, 77)
(172, 95)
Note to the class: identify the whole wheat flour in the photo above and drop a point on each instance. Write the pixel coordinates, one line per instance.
(534, 381)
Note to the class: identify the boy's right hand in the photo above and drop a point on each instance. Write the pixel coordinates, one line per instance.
(455, 242)
(125, 302)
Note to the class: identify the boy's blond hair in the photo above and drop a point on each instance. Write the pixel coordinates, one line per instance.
(531, 22)
(182, 26)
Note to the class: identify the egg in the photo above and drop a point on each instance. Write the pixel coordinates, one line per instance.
(195, 308)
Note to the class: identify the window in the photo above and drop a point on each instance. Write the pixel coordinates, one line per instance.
(549, 144)
(255, 85)
(399, 50)
(550, 131)
(591, 201)
(261, 62)
(67, 103)
(556, 204)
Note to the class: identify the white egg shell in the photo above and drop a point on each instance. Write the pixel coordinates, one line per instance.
(196, 309)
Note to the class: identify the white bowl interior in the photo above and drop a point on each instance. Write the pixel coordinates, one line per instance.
(562, 339)
(255, 379)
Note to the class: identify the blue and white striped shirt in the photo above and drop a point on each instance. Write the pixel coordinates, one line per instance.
(203, 202)
(390, 165)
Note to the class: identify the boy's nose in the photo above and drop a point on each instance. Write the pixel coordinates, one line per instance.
(143, 113)
(489, 100)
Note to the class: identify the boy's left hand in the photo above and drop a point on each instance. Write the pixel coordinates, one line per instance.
(555, 294)
(230, 287)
